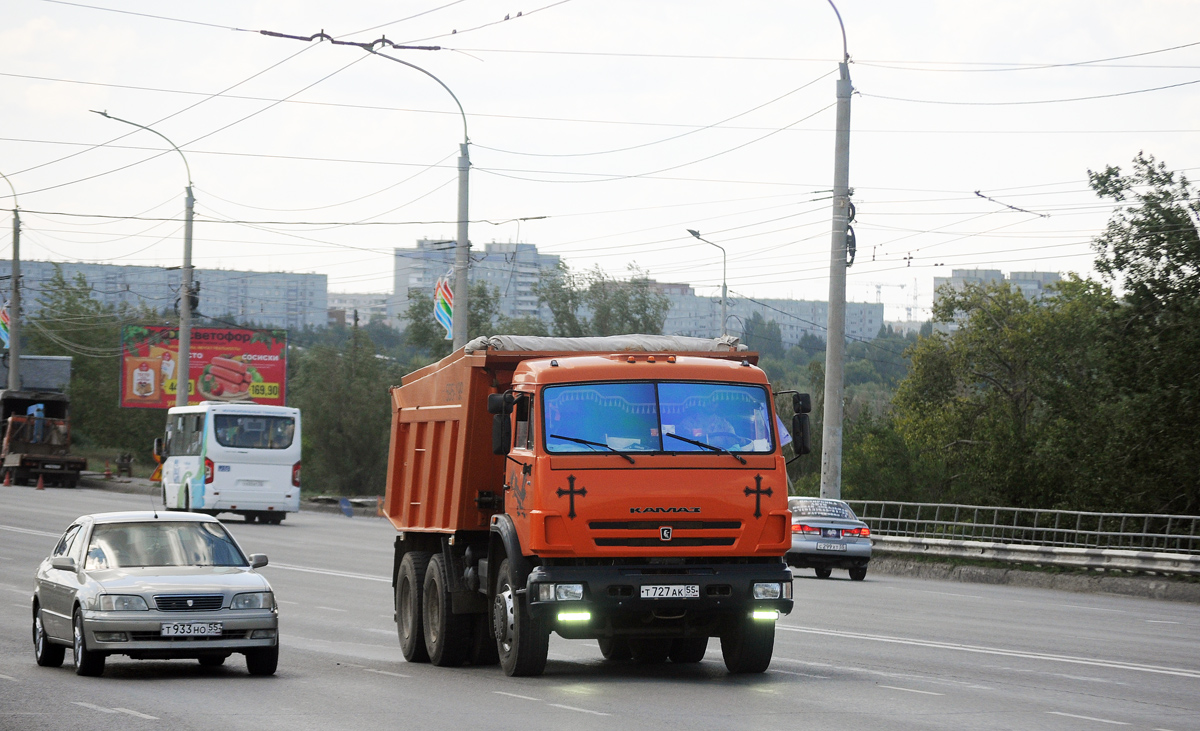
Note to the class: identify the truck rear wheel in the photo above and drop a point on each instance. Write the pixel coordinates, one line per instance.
(747, 646)
(521, 641)
(447, 635)
(483, 641)
(410, 580)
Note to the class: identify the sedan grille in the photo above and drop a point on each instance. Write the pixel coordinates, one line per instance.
(235, 634)
(189, 602)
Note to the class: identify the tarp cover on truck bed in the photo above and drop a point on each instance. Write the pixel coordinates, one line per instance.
(609, 344)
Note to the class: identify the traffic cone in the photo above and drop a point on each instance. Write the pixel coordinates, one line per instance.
(41, 482)
(8, 478)
(107, 471)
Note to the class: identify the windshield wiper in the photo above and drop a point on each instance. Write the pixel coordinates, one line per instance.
(738, 457)
(590, 443)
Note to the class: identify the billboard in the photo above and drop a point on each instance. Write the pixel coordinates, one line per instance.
(228, 364)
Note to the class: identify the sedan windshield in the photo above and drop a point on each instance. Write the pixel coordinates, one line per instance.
(125, 545)
(633, 417)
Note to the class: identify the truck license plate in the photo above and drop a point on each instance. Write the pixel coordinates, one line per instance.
(190, 629)
(671, 591)
(831, 546)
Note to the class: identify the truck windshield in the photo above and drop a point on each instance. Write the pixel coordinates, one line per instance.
(632, 417)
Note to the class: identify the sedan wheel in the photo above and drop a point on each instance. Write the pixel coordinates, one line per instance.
(87, 662)
(48, 654)
(858, 574)
(823, 573)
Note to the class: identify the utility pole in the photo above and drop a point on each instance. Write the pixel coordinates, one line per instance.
(835, 344)
(183, 368)
(14, 302)
(724, 288)
(462, 252)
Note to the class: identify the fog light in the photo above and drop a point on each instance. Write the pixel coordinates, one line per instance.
(767, 591)
(111, 637)
(574, 616)
(262, 634)
(770, 614)
(568, 592)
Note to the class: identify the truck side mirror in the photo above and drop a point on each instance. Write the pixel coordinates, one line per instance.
(158, 447)
(801, 438)
(500, 403)
(801, 403)
(501, 432)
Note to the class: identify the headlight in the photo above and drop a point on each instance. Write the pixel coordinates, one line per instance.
(559, 592)
(256, 600)
(772, 590)
(121, 603)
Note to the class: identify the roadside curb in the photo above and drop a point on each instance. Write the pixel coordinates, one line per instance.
(1146, 587)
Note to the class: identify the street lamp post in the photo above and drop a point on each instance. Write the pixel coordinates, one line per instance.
(835, 344)
(14, 311)
(183, 367)
(724, 289)
(462, 247)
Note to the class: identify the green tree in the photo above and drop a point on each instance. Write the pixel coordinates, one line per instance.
(343, 395)
(424, 333)
(763, 335)
(593, 303)
(71, 322)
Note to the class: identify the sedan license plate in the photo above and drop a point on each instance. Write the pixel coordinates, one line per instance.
(190, 629)
(671, 591)
(831, 546)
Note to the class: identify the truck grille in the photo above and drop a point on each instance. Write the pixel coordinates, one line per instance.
(656, 524)
(189, 602)
(674, 542)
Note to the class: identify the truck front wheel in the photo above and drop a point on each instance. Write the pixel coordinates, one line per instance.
(521, 641)
(747, 646)
(447, 635)
(410, 580)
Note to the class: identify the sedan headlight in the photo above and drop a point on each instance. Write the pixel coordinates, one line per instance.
(121, 603)
(255, 600)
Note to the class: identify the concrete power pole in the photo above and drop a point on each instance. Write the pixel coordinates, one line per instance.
(462, 249)
(14, 308)
(835, 344)
(183, 368)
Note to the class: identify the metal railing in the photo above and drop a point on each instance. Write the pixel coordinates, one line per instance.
(1025, 526)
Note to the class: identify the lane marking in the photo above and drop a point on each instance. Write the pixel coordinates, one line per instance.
(1094, 609)
(578, 710)
(285, 601)
(1161, 621)
(1087, 718)
(327, 572)
(94, 707)
(514, 695)
(1114, 664)
(9, 677)
(911, 690)
(807, 675)
(946, 593)
(135, 713)
(330, 609)
(29, 531)
(385, 672)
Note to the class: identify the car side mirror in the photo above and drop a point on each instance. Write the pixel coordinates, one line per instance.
(801, 403)
(158, 447)
(64, 563)
(801, 436)
(258, 560)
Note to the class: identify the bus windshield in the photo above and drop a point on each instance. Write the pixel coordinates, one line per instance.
(640, 416)
(248, 431)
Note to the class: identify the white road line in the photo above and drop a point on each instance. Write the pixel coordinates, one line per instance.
(1087, 718)
(94, 707)
(330, 609)
(1114, 664)
(327, 572)
(386, 672)
(1162, 729)
(9, 677)
(946, 593)
(29, 531)
(807, 675)
(135, 713)
(1094, 609)
(1160, 621)
(514, 695)
(17, 589)
(911, 690)
(284, 601)
(578, 710)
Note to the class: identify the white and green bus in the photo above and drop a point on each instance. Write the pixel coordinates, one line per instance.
(241, 458)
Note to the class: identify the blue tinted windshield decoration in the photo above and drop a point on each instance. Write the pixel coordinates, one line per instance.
(638, 417)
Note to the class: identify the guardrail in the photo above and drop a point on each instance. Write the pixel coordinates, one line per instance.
(1127, 541)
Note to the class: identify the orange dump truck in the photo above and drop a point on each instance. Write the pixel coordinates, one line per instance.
(630, 490)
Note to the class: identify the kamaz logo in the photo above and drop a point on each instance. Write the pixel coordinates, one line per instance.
(663, 510)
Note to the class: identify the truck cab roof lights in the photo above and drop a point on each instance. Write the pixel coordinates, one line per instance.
(670, 359)
(554, 363)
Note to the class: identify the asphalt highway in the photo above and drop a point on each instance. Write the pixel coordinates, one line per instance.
(890, 653)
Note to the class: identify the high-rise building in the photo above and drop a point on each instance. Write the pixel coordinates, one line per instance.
(269, 299)
(1031, 284)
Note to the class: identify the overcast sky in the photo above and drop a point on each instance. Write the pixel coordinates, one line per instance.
(616, 124)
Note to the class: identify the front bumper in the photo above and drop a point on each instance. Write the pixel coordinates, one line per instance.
(612, 597)
(144, 639)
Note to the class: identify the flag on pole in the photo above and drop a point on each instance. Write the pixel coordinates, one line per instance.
(4, 324)
(443, 305)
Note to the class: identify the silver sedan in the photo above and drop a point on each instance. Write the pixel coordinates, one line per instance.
(827, 535)
(152, 585)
